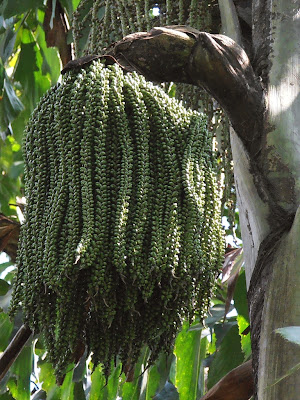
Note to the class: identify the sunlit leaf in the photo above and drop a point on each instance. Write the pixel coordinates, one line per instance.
(190, 352)
(243, 324)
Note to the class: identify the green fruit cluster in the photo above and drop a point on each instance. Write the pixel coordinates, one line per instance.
(122, 237)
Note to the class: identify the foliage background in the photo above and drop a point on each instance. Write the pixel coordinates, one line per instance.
(203, 353)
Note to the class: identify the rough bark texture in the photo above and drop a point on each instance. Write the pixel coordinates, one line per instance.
(279, 162)
(281, 308)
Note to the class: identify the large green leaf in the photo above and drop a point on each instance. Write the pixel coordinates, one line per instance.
(21, 369)
(190, 351)
(228, 356)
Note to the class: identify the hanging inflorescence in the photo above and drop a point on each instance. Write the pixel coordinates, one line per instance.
(122, 236)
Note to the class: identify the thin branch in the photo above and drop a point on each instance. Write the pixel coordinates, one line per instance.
(13, 349)
(236, 385)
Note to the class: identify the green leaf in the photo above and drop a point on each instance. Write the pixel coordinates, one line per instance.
(245, 339)
(190, 351)
(6, 396)
(16, 7)
(131, 390)
(8, 39)
(47, 377)
(155, 378)
(67, 388)
(221, 330)
(227, 357)
(290, 333)
(240, 296)
(22, 370)
(4, 286)
(79, 391)
(99, 389)
(6, 328)
(12, 104)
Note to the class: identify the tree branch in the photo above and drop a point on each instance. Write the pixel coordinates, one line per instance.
(236, 385)
(213, 62)
(13, 349)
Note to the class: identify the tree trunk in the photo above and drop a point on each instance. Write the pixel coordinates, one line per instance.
(277, 271)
